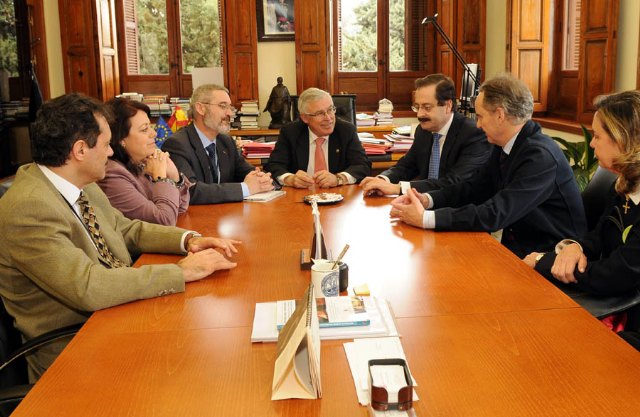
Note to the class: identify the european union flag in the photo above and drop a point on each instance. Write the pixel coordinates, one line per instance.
(163, 131)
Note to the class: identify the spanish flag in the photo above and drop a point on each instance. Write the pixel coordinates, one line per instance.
(178, 119)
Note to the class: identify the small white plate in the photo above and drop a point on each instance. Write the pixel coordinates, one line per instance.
(324, 198)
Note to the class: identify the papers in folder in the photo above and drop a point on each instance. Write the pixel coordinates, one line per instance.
(266, 196)
(380, 316)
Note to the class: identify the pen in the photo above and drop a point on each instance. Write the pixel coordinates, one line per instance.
(346, 247)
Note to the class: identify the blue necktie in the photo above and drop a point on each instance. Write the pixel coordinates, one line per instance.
(434, 161)
(213, 158)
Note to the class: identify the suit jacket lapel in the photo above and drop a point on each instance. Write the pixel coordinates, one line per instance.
(334, 152)
(302, 148)
(450, 141)
(200, 152)
(223, 159)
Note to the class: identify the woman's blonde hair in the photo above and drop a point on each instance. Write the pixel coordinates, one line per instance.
(620, 117)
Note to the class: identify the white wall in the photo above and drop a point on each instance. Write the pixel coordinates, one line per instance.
(54, 48)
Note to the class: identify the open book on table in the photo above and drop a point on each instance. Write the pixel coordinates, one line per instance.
(296, 372)
(332, 312)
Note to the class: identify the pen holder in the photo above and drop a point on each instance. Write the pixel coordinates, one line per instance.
(344, 275)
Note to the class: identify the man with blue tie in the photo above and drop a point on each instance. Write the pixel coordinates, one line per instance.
(207, 155)
(526, 187)
(448, 147)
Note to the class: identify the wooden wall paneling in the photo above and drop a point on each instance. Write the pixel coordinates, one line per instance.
(471, 24)
(78, 49)
(312, 44)
(446, 60)
(107, 50)
(241, 52)
(598, 43)
(531, 28)
(35, 12)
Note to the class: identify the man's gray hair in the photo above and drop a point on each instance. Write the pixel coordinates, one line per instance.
(511, 94)
(309, 95)
(201, 95)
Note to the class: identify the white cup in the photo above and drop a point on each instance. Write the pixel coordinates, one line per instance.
(326, 280)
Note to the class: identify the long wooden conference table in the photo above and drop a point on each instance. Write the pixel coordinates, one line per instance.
(484, 335)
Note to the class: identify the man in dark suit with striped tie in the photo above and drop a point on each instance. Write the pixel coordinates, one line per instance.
(448, 147)
(206, 154)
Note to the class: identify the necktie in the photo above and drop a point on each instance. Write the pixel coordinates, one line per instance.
(434, 161)
(213, 158)
(89, 219)
(320, 162)
(503, 163)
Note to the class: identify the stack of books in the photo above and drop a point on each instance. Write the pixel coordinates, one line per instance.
(157, 104)
(260, 150)
(374, 146)
(249, 112)
(363, 119)
(131, 96)
(384, 115)
(399, 143)
(184, 104)
(15, 109)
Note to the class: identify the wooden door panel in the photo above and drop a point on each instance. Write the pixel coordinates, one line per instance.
(529, 70)
(530, 34)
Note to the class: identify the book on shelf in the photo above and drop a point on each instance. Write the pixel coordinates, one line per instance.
(332, 312)
(296, 373)
(381, 323)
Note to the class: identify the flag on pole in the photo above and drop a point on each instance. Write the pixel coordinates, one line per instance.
(163, 131)
(178, 119)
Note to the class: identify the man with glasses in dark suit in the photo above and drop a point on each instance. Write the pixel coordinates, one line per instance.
(318, 149)
(207, 155)
(448, 147)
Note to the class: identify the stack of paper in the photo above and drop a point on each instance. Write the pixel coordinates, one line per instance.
(265, 196)
(258, 149)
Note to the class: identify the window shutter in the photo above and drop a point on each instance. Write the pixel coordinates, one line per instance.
(131, 37)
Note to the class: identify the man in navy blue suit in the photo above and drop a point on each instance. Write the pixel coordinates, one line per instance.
(318, 149)
(461, 148)
(526, 188)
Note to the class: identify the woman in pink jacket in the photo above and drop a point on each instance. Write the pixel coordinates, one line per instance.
(142, 181)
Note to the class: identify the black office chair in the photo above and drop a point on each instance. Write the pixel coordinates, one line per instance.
(345, 107)
(14, 383)
(596, 195)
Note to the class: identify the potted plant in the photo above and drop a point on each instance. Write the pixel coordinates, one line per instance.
(581, 157)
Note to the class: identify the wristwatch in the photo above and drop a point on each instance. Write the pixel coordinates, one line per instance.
(340, 180)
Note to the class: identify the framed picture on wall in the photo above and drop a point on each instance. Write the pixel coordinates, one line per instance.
(275, 20)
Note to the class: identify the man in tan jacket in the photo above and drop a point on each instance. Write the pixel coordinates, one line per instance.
(65, 252)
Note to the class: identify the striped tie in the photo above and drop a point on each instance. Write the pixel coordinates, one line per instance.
(213, 158)
(434, 161)
(89, 219)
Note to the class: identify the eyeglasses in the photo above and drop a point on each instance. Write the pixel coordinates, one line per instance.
(329, 112)
(223, 106)
(426, 107)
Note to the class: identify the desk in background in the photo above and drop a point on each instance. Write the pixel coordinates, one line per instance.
(378, 162)
(484, 334)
